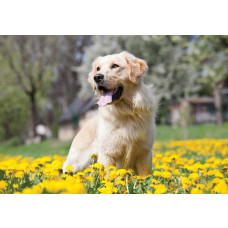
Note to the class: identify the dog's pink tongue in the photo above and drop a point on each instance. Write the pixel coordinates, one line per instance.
(105, 98)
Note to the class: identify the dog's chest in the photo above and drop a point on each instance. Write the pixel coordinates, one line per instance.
(124, 130)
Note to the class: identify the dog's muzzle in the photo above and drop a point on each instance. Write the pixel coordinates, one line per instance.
(98, 78)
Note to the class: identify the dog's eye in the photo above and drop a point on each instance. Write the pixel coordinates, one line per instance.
(98, 68)
(115, 66)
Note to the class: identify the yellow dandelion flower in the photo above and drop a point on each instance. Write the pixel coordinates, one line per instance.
(157, 174)
(80, 174)
(35, 190)
(191, 162)
(138, 177)
(152, 185)
(109, 189)
(194, 176)
(217, 173)
(19, 174)
(8, 172)
(69, 168)
(94, 156)
(221, 188)
(64, 176)
(200, 186)
(154, 181)
(89, 178)
(130, 172)
(111, 167)
(3, 185)
(121, 182)
(185, 186)
(88, 170)
(56, 164)
(98, 166)
(105, 181)
(176, 172)
(166, 174)
(77, 188)
(122, 172)
(196, 191)
(102, 173)
(15, 185)
(185, 180)
(105, 190)
(158, 155)
(113, 175)
(160, 189)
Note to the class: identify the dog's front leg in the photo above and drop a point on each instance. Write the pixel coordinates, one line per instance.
(106, 160)
(143, 163)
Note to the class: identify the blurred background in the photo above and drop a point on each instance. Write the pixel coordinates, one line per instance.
(45, 97)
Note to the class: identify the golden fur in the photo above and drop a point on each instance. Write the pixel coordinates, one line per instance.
(122, 134)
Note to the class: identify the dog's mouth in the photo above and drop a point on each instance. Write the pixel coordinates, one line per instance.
(109, 96)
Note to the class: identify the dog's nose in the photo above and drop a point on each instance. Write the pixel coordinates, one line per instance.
(98, 78)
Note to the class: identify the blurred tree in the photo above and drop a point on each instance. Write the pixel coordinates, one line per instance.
(14, 106)
(209, 55)
(66, 85)
(29, 58)
(68, 55)
(41, 66)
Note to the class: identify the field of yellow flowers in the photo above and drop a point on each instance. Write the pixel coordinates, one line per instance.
(193, 166)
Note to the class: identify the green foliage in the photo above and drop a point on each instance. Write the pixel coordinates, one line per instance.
(41, 68)
(209, 56)
(13, 113)
(30, 61)
(14, 106)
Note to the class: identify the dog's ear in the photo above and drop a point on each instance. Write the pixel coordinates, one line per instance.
(137, 67)
(92, 73)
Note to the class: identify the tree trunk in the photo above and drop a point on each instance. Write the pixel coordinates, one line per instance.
(33, 114)
(7, 133)
(218, 105)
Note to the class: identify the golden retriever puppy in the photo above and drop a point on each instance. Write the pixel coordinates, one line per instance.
(122, 134)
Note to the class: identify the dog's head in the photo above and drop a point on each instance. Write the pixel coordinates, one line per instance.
(113, 75)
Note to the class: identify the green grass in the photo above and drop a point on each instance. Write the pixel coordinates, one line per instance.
(164, 133)
(46, 148)
(192, 132)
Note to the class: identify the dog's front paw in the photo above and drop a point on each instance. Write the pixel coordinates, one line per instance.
(69, 166)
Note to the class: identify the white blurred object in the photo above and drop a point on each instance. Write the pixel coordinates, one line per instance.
(41, 130)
